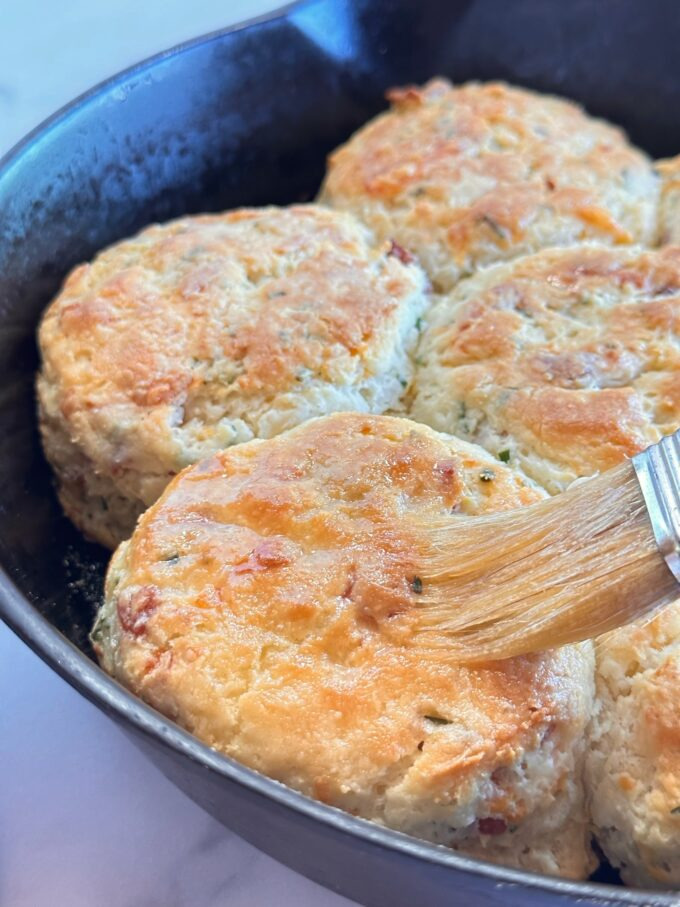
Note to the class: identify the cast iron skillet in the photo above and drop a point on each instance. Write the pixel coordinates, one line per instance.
(246, 117)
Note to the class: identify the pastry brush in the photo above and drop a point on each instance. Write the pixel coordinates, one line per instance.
(601, 554)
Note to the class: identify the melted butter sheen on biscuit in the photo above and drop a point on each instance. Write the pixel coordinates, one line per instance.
(265, 603)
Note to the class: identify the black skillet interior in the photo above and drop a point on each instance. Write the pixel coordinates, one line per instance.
(248, 117)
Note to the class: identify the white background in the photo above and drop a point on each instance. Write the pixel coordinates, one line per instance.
(84, 819)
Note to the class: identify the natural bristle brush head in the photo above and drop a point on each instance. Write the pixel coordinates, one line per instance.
(566, 569)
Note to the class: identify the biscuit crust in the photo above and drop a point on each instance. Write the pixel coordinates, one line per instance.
(470, 175)
(265, 603)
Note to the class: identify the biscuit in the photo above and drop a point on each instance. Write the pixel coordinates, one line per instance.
(266, 602)
(669, 204)
(561, 363)
(209, 331)
(471, 175)
(633, 764)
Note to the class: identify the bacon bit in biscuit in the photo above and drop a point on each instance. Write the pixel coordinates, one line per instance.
(267, 553)
(161, 660)
(135, 610)
(349, 586)
(399, 252)
(492, 826)
(408, 96)
(164, 389)
(448, 474)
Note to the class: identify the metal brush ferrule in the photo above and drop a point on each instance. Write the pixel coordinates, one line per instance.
(658, 472)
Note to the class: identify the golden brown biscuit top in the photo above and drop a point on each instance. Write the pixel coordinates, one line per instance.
(193, 318)
(265, 600)
(481, 164)
(569, 356)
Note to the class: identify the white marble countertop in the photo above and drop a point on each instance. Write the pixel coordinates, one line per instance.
(85, 820)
